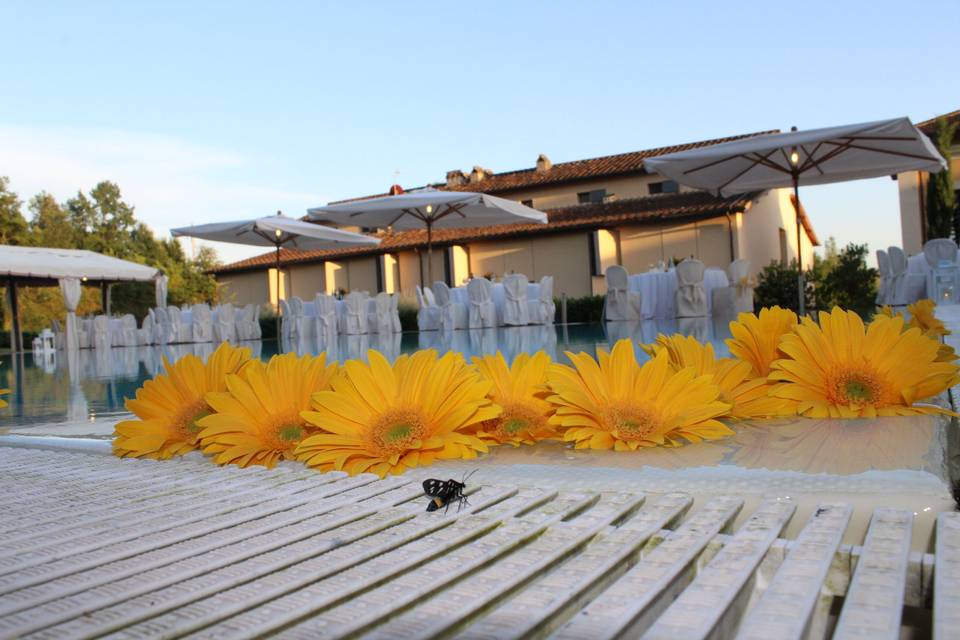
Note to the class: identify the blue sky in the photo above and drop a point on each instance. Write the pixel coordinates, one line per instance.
(208, 111)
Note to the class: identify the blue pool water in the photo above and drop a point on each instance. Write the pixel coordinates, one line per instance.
(91, 386)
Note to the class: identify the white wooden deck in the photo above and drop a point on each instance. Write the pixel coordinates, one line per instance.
(93, 546)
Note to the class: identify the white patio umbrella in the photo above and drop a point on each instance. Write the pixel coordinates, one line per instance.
(428, 209)
(814, 156)
(276, 231)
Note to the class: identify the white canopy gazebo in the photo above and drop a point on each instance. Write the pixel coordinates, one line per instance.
(68, 268)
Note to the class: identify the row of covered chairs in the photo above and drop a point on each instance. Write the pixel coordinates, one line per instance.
(476, 305)
(625, 302)
(200, 323)
(325, 316)
(933, 274)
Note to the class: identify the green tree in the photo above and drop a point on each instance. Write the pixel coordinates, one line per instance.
(104, 221)
(941, 199)
(777, 285)
(13, 226)
(50, 223)
(849, 284)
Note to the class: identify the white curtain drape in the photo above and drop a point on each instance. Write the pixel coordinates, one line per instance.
(70, 288)
(161, 291)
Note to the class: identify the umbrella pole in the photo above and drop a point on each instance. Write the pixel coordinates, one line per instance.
(429, 253)
(278, 300)
(800, 279)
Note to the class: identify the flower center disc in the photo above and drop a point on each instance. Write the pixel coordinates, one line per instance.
(631, 422)
(396, 430)
(517, 420)
(186, 421)
(856, 388)
(283, 431)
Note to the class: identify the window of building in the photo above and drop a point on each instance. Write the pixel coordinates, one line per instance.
(783, 247)
(665, 186)
(591, 197)
(527, 203)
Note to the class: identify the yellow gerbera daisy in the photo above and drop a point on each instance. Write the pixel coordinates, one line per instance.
(618, 403)
(519, 390)
(257, 420)
(923, 318)
(840, 369)
(756, 338)
(383, 419)
(748, 396)
(169, 406)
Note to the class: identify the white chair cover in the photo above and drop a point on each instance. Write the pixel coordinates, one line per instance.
(243, 318)
(742, 283)
(101, 332)
(286, 321)
(256, 331)
(395, 313)
(483, 313)
(428, 315)
(940, 250)
(691, 296)
(325, 327)
(383, 316)
(355, 317)
(620, 303)
(515, 311)
(542, 309)
(453, 315)
(225, 329)
(201, 321)
(146, 333)
(85, 333)
(886, 276)
(941, 255)
(907, 287)
(128, 333)
(163, 329)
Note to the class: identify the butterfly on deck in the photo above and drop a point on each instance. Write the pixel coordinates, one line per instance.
(442, 493)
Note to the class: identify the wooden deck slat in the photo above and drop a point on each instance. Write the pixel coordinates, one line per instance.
(712, 605)
(787, 605)
(874, 602)
(496, 582)
(388, 591)
(631, 604)
(418, 538)
(210, 551)
(946, 577)
(554, 597)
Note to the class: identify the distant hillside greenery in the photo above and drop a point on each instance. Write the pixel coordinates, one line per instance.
(98, 221)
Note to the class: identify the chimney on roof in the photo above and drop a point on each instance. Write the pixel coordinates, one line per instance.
(456, 178)
(543, 163)
(479, 173)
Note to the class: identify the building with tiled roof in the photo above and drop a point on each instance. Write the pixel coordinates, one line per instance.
(601, 211)
(913, 188)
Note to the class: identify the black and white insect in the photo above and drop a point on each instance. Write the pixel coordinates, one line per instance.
(442, 493)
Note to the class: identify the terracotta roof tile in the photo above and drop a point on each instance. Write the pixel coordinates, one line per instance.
(688, 206)
(621, 163)
(927, 126)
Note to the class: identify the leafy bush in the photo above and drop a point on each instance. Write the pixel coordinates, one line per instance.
(585, 309)
(839, 278)
(268, 324)
(849, 283)
(777, 285)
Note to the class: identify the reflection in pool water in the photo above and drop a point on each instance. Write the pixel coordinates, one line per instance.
(91, 385)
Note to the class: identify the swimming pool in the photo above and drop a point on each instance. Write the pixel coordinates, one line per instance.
(83, 394)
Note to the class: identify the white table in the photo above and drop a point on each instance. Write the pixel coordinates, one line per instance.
(658, 291)
(459, 294)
